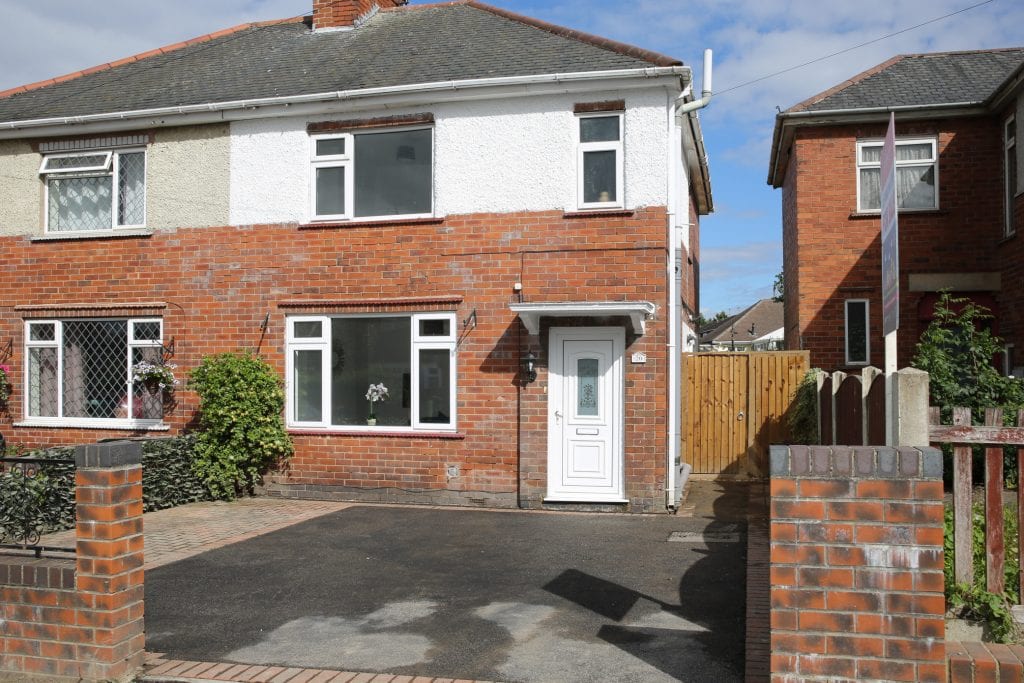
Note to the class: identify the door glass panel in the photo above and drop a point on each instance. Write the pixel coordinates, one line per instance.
(586, 400)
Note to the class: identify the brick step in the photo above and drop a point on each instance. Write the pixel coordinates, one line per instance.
(984, 662)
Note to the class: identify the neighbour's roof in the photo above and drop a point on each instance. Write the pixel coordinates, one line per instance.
(762, 317)
(917, 80)
(401, 46)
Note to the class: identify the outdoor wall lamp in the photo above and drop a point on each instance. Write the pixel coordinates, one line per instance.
(529, 367)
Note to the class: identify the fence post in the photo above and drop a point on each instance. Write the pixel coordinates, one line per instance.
(109, 562)
(910, 398)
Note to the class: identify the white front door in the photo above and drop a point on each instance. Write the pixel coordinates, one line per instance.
(585, 416)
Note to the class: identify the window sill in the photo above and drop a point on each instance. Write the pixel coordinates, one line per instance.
(599, 213)
(377, 433)
(126, 425)
(864, 215)
(327, 225)
(93, 235)
(1006, 238)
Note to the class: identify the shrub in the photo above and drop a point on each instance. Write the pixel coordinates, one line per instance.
(168, 477)
(802, 417)
(242, 432)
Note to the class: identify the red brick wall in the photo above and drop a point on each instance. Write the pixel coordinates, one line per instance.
(856, 564)
(82, 619)
(832, 254)
(219, 283)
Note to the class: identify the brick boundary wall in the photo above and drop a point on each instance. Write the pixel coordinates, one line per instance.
(82, 619)
(856, 564)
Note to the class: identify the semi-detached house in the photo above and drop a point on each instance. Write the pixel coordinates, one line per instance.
(494, 217)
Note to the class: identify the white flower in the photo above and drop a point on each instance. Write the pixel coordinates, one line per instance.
(376, 392)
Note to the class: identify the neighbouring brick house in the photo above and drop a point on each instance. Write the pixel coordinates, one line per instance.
(434, 197)
(958, 115)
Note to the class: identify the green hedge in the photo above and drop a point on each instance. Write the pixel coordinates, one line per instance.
(168, 480)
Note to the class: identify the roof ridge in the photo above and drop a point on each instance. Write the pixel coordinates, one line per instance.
(964, 52)
(626, 49)
(854, 80)
(145, 55)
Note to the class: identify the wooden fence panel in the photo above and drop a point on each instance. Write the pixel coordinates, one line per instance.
(825, 410)
(875, 409)
(735, 406)
(995, 546)
(850, 412)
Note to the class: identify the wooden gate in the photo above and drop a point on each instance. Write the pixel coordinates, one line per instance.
(735, 406)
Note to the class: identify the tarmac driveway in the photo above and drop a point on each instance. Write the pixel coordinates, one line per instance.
(511, 596)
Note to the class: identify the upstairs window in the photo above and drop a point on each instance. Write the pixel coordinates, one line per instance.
(95, 190)
(1010, 175)
(599, 161)
(917, 175)
(373, 175)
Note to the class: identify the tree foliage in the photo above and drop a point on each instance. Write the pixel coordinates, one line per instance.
(957, 351)
(779, 288)
(242, 433)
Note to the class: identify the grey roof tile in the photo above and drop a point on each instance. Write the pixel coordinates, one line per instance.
(941, 78)
(398, 47)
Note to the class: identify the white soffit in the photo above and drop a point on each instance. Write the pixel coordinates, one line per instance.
(639, 312)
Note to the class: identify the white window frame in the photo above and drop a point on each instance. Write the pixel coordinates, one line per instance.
(111, 167)
(616, 146)
(347, 161)
(1010, 193)
(861, 165)
(58, 343)
(417, 343)
(867, 331)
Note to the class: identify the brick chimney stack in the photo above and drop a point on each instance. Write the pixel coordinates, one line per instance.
(345, 13)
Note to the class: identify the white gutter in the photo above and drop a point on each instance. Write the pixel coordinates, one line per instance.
(676, 111)
(238, 108)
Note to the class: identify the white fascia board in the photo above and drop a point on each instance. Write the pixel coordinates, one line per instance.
(377, 98)
(639, 312)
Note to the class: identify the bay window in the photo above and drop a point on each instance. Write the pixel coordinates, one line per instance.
(333, 360)
(95, 190)
(380, 174)
(79, 372)
(916, 175)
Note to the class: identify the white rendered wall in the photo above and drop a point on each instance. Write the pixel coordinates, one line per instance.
(21, 190)
(491, 156)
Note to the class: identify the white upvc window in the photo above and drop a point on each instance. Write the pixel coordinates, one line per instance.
(95, 190)
(1010, 173)
(857, 337)
(599, 162)
(917, 175)
(79, 372)
(332, 361)
(378, 174)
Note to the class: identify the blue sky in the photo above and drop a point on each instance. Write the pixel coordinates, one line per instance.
(741, 242)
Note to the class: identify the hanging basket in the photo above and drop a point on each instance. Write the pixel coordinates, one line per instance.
(152, 386)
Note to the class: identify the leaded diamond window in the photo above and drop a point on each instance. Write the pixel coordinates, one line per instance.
(80, 370)
(95, 190)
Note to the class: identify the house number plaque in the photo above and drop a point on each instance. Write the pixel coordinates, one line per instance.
(639, 357)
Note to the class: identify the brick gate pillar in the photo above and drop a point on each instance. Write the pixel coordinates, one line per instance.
(109, 561)
(856, 564)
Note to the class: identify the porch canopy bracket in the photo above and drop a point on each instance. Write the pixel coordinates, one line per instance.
(638, 312)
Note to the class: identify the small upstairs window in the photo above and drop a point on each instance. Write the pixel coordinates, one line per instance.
(599, 161)
(95, 190)
(1010, 173)
(917, 175)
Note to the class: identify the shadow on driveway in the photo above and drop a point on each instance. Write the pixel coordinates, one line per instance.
(477, 594)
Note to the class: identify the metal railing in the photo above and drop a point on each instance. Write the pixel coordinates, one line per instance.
(36, 498)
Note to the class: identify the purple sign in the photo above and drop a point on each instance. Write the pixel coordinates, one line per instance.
(890, 234)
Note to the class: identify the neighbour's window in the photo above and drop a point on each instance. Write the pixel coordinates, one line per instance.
(599, 161)
(95, 190)
(79, 371)
(916, 175)
(858, 342)
(373, 175)
(333, 360)
(1010, 175)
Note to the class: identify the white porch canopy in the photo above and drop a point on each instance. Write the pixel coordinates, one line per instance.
(638, 312)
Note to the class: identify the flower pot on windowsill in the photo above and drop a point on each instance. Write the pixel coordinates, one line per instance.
(371, 421)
